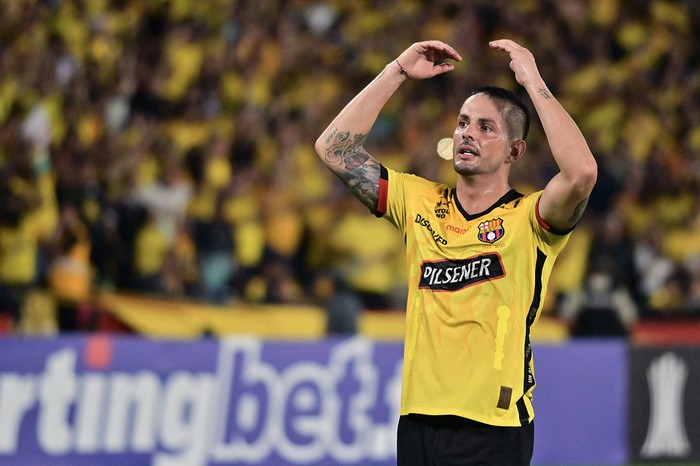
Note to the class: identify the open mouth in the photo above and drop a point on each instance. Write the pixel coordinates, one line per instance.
(445, 150)
(468, 151)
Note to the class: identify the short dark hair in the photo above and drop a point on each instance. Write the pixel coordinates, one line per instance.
(515, 111)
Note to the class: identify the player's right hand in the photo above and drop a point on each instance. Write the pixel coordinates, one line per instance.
(426, 59)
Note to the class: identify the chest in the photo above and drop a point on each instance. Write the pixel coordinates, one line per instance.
(442, 231)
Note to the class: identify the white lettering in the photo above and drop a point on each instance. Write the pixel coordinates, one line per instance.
(468, 269)
(134, 401)
(17, 395)
(187, 409)
(352, 366)
(440, 276)
(448, 275)
(56, 394)
(306, 410)
(474, 265)
(485, 264)
(89, 415)
(249, 437)
(245, 411)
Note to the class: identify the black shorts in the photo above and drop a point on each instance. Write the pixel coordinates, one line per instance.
(456, 441)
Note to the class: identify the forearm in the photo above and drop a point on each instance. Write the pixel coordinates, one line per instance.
(341, 145)
(578, 169)
(569, 148)
(358, 117)
(566, 195)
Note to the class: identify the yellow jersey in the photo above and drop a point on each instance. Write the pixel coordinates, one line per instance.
(476, 285)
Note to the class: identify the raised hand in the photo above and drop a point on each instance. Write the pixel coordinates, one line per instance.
(427, 59)
(522, 62)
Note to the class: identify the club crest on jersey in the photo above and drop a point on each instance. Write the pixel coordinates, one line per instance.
(491, 231)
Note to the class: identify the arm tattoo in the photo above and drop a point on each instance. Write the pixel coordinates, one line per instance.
(347, 158)
(578, 212)
(544, 93)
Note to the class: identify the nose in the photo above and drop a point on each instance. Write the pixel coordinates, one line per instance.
(468, 132)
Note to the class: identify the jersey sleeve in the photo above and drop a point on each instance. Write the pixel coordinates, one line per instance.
(550, 239)
(396, 191)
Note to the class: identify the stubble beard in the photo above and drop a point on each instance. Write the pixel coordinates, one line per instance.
(466, 169)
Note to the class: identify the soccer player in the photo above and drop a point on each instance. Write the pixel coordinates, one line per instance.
(479, 255)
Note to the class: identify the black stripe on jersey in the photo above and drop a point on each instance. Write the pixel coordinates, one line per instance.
(508, 197)
(380, 210)
(529, 377)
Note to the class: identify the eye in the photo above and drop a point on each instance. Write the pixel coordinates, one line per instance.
(486, 128)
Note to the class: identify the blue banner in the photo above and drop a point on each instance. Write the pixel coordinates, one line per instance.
(89, 400)
(581, 403)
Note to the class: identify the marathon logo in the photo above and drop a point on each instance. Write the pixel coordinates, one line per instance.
(453, 275)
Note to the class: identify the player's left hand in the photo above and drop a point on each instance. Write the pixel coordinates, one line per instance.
(522, 62)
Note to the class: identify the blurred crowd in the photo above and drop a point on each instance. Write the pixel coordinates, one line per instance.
(165, 147)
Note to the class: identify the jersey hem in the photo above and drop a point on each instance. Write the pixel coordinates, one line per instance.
(467, 415)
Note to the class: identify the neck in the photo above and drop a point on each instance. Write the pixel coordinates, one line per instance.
(477, 194)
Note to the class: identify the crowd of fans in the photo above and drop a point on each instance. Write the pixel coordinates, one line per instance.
(166, 147)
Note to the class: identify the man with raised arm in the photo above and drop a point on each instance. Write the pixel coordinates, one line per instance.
(479, 255)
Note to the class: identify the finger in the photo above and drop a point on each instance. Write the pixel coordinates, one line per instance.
(502, 43)
(496, 44)
(452, 53)
(445, 49)
(443, 67)
(506, 45)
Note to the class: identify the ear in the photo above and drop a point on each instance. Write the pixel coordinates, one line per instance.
(517, 149)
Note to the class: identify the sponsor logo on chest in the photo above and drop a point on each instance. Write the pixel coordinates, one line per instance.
(425, 223)
(442, 208)
(455, 274)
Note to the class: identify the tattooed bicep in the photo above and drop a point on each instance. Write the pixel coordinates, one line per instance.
(363, 181)
(360, 172)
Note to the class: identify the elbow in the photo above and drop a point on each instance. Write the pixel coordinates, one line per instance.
(587, 175)
(320, 146)
(590, 172)
(322, 149)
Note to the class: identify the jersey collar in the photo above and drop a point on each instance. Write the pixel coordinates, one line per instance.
(505, 199)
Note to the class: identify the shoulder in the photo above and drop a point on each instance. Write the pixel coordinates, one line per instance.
(413, 183)
(398, 191)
